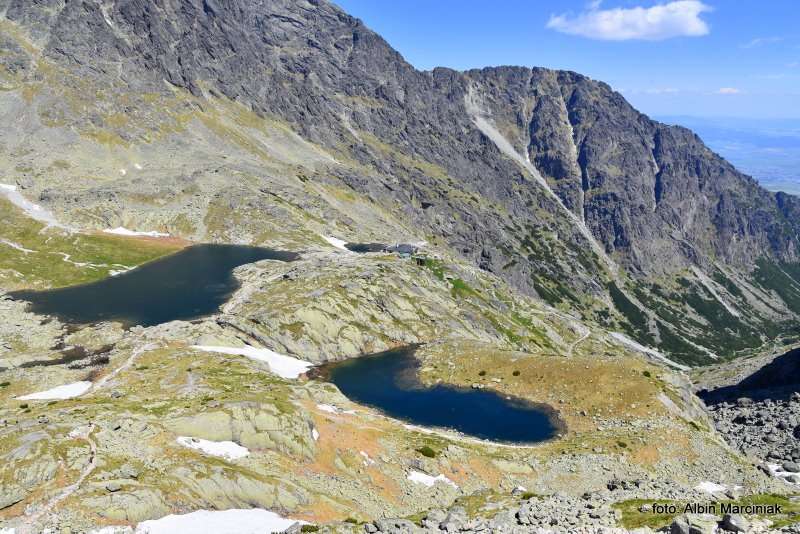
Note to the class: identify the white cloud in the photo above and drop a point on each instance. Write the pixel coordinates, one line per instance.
(662, 21)
(662, 91)
(652, 91)
(775, 76)
(758, 41)
(728, 91)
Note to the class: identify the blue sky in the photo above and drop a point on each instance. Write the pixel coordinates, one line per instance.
(735, 58)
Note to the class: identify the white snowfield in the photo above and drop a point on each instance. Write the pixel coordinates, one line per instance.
(35, 211)
(19, 247)
(235, 521)
(224, 449)
(131, 233)
(336, 242)
(710, 487)
(625, 340)
(427, 480)
(67, 391)
(330, 408)
(124, 269)
(281, 365)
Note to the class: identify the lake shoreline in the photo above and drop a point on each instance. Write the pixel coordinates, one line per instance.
(192, 283)
(409, 377)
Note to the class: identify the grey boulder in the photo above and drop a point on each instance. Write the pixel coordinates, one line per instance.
(734, 523)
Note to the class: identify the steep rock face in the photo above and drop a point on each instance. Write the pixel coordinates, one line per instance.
(648, 191)
(581, 134)
(644, 189)
(533, 174)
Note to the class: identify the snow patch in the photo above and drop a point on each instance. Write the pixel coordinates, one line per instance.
(315, 434)
(427, 480)
(254, 521)
(336, 242)
(328, 408)
(224, 449)
(138, 166)
(625, 340)
(80, 432)
(130, 233)
(34, 211)
(334, 409)
(283, 366)
(19, 247)
(67, 391)
(367, 460)
(710, 487)
(117, 272)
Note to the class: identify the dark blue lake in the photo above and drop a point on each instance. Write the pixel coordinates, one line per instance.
(388, 381)
(186, 285)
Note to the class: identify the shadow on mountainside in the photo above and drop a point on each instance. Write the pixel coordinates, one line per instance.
(777, 380)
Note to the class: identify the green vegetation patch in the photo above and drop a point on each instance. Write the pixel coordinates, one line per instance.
(633, 515)
(728, 333)
(710, 325)
(461, 289)
(32, 256)
(436, 267)
(552, 291)
(427, 451)
(783, 279)
(727, 283)
(636, 325)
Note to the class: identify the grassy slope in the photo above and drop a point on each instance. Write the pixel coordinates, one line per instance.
(43, 265)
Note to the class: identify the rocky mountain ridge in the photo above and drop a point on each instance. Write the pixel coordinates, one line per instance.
(546, 178)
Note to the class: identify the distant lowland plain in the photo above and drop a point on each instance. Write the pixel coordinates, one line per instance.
(766, 149)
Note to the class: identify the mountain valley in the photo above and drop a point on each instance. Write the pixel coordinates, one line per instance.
(561, 248)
